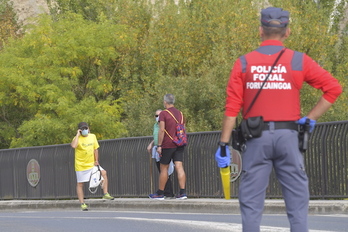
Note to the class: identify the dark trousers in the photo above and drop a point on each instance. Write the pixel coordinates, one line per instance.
(168, 189)
(277, 149)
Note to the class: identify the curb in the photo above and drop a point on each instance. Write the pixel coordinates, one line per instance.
(200, 205)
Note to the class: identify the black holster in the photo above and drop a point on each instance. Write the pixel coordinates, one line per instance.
(303, 136)
(238, 140)
(252, 127)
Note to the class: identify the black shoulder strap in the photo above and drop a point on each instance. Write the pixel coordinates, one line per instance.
(264, 82)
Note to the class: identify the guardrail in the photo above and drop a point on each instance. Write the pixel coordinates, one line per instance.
(47, 172)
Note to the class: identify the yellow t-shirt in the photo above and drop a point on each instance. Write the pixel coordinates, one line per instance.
(84, 152)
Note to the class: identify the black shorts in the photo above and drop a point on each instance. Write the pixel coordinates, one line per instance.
(175, 154)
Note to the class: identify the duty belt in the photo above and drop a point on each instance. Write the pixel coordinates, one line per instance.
(291, 125)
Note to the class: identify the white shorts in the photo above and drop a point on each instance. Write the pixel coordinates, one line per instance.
(83, 176)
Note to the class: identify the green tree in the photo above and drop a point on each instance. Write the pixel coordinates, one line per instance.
(111, 62)
(63, 72)
(9, 27)
(191, 49)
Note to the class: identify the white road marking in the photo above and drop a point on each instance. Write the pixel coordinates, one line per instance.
(220, 226)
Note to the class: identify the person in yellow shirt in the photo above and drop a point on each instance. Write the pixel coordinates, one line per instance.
(86, 157)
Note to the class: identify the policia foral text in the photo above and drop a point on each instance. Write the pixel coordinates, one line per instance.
(279, 105)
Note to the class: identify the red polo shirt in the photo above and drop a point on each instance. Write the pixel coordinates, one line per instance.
(279, 99)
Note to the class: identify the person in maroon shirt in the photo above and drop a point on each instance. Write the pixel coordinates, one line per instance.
(169, 150)
(279, 104)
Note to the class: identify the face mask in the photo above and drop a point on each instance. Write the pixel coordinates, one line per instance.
(157, 118)
(84, 132)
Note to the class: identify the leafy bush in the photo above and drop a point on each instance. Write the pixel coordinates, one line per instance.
(111, 62)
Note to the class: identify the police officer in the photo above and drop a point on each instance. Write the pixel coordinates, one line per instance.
(279, 105)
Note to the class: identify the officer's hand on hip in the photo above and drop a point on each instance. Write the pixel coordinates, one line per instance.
(312, 123)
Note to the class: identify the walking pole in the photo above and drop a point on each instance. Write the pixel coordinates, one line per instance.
(150, 168)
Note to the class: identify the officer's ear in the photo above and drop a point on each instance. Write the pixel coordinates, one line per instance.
(261, 31)
(287, 33)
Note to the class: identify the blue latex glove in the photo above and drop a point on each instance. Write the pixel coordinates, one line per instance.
(312, 123)
(223, 157)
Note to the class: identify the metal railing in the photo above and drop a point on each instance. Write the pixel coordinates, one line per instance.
(132, 173)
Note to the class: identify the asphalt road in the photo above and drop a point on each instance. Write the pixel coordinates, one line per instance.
(128, 221)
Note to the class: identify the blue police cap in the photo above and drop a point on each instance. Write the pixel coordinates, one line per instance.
(271, 15)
